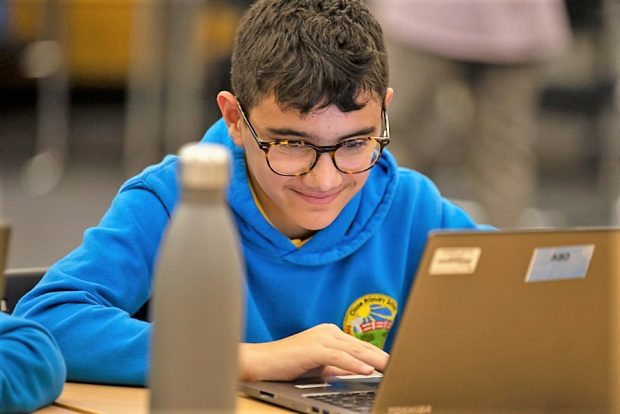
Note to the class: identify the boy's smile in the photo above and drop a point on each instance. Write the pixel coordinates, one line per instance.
(299, 206)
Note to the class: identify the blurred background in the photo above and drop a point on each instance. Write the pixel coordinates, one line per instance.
(92, 91)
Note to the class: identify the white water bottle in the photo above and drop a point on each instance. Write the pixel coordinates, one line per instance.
(197, 300)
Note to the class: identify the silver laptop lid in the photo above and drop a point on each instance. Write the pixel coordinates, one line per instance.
(527, 321)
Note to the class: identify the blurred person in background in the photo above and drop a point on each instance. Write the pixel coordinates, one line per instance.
(32, 370)
(466, 77)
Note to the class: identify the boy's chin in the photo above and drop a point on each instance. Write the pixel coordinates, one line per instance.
(317, 224)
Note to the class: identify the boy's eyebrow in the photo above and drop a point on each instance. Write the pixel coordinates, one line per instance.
(294, 133)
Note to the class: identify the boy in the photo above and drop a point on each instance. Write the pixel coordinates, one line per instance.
(32, 371)
(331, 229)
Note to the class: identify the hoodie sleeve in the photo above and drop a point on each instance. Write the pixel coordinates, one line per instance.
(32, 371)
(86, 299)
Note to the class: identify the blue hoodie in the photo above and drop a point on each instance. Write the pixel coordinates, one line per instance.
(32, 371)
(356, 273)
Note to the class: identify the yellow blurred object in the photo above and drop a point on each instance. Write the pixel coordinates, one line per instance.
(216, 27)
(98, 35)
(25, 20)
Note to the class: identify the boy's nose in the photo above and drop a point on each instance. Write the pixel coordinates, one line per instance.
(324, 176)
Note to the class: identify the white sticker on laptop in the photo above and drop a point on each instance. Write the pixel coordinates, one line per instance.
(559, 263)
(455, 260)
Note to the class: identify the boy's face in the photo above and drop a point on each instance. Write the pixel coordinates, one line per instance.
(301, 205)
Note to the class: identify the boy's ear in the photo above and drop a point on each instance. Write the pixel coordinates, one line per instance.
(389, 94)
(227, 103)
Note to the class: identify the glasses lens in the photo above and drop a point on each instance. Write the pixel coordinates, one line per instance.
(356, 155)
(290, 157)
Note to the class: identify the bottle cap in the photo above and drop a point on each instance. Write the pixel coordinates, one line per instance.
(204, 166)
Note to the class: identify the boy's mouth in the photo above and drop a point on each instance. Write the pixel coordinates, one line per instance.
(319, 198)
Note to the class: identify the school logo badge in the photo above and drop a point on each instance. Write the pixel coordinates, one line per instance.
(370, 318)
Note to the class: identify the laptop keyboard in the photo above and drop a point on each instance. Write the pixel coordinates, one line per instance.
(359, 401)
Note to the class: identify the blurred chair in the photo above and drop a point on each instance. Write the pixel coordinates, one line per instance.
(18, 283)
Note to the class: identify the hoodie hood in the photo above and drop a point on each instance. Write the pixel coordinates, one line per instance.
(351, 229)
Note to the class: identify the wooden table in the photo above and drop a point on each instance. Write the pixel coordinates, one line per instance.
(108, 399)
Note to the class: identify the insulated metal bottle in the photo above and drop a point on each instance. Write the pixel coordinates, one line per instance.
(197, 300)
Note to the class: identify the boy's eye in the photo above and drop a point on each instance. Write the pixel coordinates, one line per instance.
(354, 143)
(294, 144)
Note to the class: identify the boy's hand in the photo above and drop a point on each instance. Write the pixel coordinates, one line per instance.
(323, 350)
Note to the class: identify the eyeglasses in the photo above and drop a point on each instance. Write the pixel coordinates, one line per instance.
(292, 158)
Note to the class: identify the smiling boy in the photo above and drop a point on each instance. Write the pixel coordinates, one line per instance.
(331, 228)
(301, 199)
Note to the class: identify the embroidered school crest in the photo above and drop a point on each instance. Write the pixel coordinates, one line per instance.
(370, 318)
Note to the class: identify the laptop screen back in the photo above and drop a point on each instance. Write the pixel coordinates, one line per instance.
(524, 320)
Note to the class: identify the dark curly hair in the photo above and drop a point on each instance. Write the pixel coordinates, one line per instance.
(309, 54)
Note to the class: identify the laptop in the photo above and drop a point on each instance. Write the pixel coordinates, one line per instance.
(5, 232)
(521, 321)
